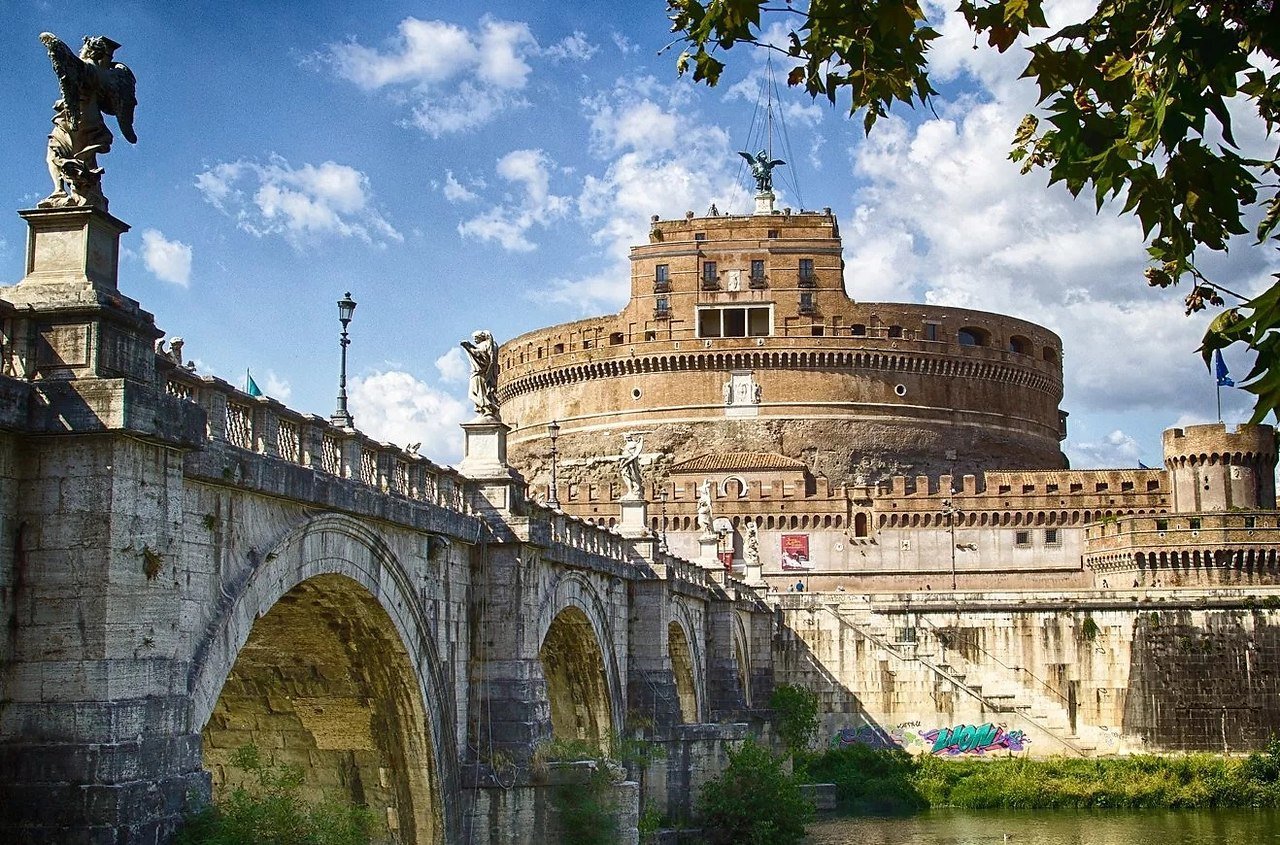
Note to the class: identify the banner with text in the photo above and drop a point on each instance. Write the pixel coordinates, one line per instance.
(795, 551)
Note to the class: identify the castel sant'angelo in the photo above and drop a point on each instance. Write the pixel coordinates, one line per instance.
(863, 445)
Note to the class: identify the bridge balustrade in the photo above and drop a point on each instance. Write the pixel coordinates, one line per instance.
(266, 427)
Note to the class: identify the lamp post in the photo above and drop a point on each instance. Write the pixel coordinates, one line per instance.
(949, 509)
(346, 307)
(662, 539)
(553, 431)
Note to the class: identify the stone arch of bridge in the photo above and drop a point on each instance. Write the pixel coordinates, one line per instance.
(690, 676)
(324, 656)
(579, 657)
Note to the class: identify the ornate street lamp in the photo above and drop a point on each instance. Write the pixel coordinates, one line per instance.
(553, 431)
(662, 541)
(346, 307)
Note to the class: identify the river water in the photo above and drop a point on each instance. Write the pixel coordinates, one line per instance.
(1055, 827)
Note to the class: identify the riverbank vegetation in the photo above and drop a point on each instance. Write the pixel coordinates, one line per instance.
(877, 781)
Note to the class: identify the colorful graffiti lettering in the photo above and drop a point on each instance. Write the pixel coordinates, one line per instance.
(974, 739)
(868, 735)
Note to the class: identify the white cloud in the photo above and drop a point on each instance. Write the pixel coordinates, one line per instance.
(276, 386)
(456, 78)
(168, 261)
(509, 222)
(397, 407)
(574, 48)
(623, 43)
(659, 159)
(300, 203)
(455, 191)
(1116, 450)
(454, 366)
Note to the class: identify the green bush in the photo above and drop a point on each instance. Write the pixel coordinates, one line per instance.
(266, 809)
(868, 781)
(796, 716)
(754, 802)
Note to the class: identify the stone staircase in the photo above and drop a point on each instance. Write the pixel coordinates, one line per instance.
(1025, 702)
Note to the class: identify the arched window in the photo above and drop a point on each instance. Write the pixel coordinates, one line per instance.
(1020, 345)
(973, 336)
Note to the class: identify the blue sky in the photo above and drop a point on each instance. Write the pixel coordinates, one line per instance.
(466, 165)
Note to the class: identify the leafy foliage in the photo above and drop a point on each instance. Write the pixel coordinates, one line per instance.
(869, 781)
(1135, 103)
(754, 802)
(267, 809)
(796, 716)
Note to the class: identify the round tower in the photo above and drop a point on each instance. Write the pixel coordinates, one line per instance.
(1214, 469)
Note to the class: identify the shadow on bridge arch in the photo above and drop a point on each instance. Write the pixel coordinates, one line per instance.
(322, 660)
(685, 651)
(579, 663)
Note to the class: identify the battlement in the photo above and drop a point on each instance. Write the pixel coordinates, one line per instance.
(1217, 442)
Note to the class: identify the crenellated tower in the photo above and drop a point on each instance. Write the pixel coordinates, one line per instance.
(1212, 468)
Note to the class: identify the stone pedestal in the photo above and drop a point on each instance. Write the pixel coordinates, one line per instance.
(755, 575)
(634, 521)
(709, 550)
(764, 202)
(484, 460)
(71, 321)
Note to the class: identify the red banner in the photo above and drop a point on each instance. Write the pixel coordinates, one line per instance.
(727, 559)
(795, 551)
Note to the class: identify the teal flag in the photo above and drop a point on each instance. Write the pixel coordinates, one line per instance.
(251, 386)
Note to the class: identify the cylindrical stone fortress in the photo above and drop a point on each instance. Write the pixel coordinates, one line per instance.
(738, 337)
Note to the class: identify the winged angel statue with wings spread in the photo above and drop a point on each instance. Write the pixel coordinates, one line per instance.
(762, 169)
(93, 84)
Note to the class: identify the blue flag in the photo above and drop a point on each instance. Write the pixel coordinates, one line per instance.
(1220, 370)
(251, 386)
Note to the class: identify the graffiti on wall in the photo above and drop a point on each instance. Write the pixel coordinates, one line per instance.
(974, 739)
(950, 741)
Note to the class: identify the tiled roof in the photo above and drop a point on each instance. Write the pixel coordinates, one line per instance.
(733, 461)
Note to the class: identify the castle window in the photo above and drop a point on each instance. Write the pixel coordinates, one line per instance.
(807, 278)
(1051, 488)
(1250, 522)
(1020, 345)
(1022, 538)
(973, 337)
(1126, 486)
(895, 331)
(699, 236)
(616, 338)
(650, 334)
(1077, 488)
(757, 273)
(710, 277)
(662, 308)
(1028, 488)
(773, 233)
(558, 349)
(1051, 354)
(930, 331)
(806, 302)
(1004, 488)
(1162, 525)
(818, 331)
(1194, 523)
(1100, 487)
(752, 321)
(1051, 537)
(661, 278)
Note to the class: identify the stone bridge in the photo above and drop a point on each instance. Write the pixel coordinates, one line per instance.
(187, 569)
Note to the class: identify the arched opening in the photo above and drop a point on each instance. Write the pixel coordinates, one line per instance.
(682, 670)
(973, 336)
(324, 683)
(577, 689)
(1020, 345)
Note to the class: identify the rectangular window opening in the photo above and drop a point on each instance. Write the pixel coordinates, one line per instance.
(1022, 538)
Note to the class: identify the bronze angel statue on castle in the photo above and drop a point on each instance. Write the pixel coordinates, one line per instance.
(93, 84)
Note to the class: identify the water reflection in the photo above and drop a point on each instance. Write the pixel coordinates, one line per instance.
(1055, 827)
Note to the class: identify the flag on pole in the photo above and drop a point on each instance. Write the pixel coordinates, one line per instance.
(251, 386)
(1220, 370)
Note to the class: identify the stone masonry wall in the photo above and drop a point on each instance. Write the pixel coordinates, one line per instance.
(1050, 673)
